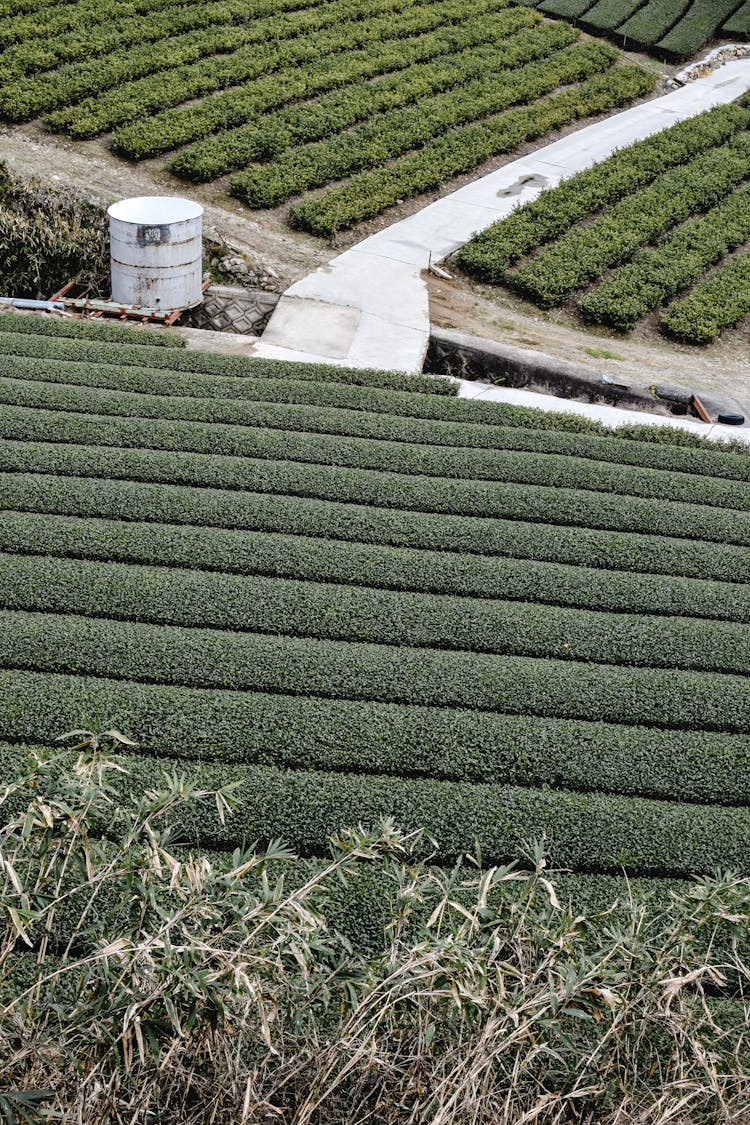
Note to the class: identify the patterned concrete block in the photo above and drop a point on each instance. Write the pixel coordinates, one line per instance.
(229, 308)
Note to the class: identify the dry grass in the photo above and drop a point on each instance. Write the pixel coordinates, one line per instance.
(140, 984)
(48, 238)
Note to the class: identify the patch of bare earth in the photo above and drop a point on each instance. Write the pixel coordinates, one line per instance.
(642, 358)
(90, 167)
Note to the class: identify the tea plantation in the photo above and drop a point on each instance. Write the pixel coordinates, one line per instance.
(671, 29)
(662, 227)
(394, 97)
(358, 596)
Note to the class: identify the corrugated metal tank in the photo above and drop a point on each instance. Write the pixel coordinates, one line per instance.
(156, 252)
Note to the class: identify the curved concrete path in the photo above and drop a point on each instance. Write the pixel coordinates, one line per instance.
(369, 306)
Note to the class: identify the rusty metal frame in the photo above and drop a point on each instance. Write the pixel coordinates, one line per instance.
(84, 306)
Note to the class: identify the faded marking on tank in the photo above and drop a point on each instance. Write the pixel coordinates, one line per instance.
(152, 235)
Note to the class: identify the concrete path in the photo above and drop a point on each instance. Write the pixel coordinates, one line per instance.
(614, 416)
(369, 306)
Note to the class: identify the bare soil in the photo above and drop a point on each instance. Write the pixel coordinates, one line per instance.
(640, 359)
(91, 168)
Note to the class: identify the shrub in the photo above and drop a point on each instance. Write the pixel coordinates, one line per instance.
(405, 741)
(220, 986)
(209, 549)
(186, 426)
(628, 170)
(245, 480)
(47, 239)
(18, 324)
(369, 193)
(212, 658)
(719, 302)
(359, 523)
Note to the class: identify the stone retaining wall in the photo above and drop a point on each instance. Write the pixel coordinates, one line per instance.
(487, 361)
(232, 308)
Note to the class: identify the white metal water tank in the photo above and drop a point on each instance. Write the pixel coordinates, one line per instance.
(156, 252)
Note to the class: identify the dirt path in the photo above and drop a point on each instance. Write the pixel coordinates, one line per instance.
(92, 169)
(641, 359)
(495, 314)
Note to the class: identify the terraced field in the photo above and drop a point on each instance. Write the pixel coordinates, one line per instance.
(358, 596)
(671, 29)
(660, 229)
(373, 101)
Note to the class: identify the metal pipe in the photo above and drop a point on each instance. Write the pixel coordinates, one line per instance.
(24, 303)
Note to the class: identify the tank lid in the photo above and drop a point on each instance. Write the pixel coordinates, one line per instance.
(155, 210)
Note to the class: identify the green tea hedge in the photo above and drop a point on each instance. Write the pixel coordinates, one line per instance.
(628, 170)
(169, 433)
(334, 669)
(204, 507)
(404, 740)
(506, 427)
(719, 302)
(278, 93)
(365, 564)
(587, 832)
(586, 252)
(86, 359)
(18, 324)
(338, 612)
(438, 495)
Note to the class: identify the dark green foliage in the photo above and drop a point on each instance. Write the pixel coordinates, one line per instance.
(606, 15)
(91, 354)
(122, 431)
(565, 9)
(201, 507)
(658, 274)
(671, 29)
(385, 568)
(700, 23)
(252, 477)
(299, 124)
(268, 61)
(352, 613)
(125, 424)
(18, 324)
(587, 832)
(26, 20)
(586, 252)
(25, 96)
(240, 104)
(274, 389)
(396, 131)
(719, 302)
(739, 24)
(489, 254)
(56, 42)
(194, 397)
(332, 669)
(680, 191)
(410, 741)
(357, 600)
(651, 22)
(368, 193)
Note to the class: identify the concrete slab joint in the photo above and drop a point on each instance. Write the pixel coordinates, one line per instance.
(379, 284)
